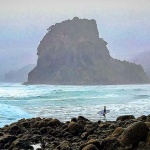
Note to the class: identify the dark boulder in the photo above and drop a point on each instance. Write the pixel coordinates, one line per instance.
(94, 142)
(73, 119)
(21, 144)
(125, 117)
(44, 130)
(82, 118)
(90, 147)
(110, 143)
(75, 128)
(142, 118)
(6, 139)
(148, 124)
(1, 133)
(148, 139)
(134, 134)
(16, 129)
(54, 123)
(84, 135)
(117, 132)
(64, 145)
(104, 125)
(148, 118)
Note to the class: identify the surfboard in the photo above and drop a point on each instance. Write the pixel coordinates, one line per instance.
(102, 112)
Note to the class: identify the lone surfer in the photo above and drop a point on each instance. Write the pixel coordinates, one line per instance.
(104, 112)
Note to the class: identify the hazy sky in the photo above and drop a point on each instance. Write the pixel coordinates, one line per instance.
(124, 24)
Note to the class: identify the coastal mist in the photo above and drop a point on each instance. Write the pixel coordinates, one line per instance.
(74, 75)
(65, 102)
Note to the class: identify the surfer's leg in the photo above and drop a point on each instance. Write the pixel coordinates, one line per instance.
(104, 115)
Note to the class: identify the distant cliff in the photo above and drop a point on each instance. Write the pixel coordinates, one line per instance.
(20, 75)
(71, 53)
(143, 59)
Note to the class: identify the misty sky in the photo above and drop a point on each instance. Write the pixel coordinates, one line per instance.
(124, 24)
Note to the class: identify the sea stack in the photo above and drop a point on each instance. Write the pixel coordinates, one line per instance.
(72, 53)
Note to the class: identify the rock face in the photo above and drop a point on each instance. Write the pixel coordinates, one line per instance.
(72, 53)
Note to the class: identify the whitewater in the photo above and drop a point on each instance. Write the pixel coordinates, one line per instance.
(19, 101)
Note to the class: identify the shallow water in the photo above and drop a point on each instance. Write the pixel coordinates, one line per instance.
(64, 102)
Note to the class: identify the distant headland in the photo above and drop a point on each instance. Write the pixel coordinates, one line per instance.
(72, 53)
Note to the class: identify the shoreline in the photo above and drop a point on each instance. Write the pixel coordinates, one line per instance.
(127, 132)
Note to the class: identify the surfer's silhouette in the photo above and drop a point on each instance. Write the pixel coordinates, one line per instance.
(104, 112)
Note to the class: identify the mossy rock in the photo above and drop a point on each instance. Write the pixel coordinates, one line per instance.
(117, 132)
(134, 134)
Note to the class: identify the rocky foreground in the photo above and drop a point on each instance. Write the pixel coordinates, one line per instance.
(126, 133)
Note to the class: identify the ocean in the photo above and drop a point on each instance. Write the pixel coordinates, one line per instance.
(19, 101)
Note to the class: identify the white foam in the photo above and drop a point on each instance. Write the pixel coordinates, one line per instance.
(65, 102)
(36, 146)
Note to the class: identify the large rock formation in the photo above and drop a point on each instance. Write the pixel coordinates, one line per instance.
(72, 53)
